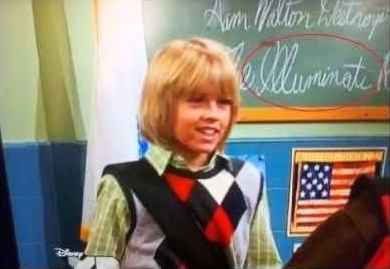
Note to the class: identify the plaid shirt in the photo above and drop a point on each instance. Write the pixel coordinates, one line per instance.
(112, 220)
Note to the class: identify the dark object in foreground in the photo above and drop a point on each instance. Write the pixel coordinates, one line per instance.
(8, 247)
(357, 236)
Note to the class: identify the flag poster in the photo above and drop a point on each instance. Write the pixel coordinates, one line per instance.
(321, 180)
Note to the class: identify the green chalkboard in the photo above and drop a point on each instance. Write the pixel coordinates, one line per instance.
(293, 54)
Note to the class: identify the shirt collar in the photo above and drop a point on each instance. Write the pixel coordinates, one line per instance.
(160, 158)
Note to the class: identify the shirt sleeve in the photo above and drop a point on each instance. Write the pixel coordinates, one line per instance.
(262, 252)
(111, 223)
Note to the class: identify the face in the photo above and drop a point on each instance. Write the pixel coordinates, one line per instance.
(200, 123)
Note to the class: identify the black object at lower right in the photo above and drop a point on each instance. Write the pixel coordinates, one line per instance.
(349, 237)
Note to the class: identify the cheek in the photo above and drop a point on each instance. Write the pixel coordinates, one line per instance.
(182, 124)
(228, 123)
(228, 118)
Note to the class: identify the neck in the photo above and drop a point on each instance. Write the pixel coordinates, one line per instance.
(195, 162)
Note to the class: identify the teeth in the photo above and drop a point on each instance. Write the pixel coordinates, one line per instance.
(208, 131)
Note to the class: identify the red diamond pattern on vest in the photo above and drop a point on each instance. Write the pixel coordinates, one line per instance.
(219, 229)
(218, 215)
(181, 186)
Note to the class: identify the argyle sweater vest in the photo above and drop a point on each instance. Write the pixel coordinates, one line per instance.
(222, 201)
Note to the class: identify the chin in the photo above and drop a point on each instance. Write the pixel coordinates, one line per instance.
(207, 149)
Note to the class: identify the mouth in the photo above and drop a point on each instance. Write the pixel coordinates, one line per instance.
(208, 132)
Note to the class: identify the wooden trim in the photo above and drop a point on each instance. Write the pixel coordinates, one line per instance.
(334, 155)
(314, 114)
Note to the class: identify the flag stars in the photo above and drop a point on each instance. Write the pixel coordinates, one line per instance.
(326, 168)
(324, 193)
(320, 187)
(314, 181)
(326, 181)
(303, 194)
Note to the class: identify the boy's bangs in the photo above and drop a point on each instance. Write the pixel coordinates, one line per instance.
(225, 78)
(208, 70)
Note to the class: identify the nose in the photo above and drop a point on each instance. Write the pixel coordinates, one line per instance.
(211, 110)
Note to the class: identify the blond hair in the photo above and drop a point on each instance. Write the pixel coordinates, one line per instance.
(176, 71)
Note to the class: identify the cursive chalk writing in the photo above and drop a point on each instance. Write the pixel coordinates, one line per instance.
(384, 77)
(278, 68)
(248, 76)
(294, 13)
(347, 13)
(225, 21)
(283, 14)
(276, 75)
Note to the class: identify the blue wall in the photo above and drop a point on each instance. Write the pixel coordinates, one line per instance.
(277, 154)
(46, 186)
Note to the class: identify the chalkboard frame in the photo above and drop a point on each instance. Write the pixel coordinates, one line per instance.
(320, 114)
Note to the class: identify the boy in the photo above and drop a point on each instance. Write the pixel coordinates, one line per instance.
(185, 205)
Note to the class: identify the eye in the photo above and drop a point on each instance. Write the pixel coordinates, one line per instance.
(196, 99)
(225, 101)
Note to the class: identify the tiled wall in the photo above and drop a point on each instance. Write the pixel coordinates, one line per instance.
(46, 186)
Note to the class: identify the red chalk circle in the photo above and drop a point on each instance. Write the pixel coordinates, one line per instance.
(315, 35)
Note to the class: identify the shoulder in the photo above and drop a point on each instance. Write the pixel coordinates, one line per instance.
(117, 178)
(110, 189)
(117, 168)
(236, 165)
(124, 171)
(108, 183)
(248, 177)
(245, 169)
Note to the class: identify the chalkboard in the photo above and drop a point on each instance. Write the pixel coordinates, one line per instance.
(300, 60)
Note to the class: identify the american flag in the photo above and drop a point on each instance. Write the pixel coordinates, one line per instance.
(322, 188)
